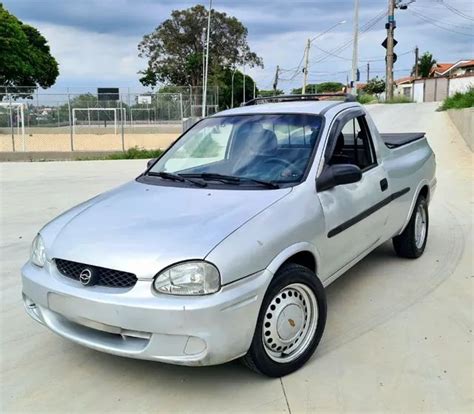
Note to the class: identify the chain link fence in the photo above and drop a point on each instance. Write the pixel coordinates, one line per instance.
(41, 121)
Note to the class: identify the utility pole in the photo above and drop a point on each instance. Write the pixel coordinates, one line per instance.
(306, 53)
(275, 82)
(355, 50)
(305, 70)
(390, 45)
(368, 72)
(416, 62)
(204, 93)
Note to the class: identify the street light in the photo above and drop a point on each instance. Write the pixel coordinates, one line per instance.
(308, 46)
(232, 95)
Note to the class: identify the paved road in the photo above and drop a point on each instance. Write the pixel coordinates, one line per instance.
(398, 337)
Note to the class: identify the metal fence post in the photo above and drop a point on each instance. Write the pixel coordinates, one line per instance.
(11, 121)
(129, 105)
(121, 125)
(70, 121)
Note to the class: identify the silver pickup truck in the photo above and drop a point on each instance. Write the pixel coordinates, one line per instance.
(222, 248)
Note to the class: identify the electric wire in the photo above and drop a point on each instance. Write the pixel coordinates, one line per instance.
(437, 23)
(456, 11)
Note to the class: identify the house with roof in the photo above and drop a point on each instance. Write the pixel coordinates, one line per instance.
(445, 79)
(404, 87)
(451, 70)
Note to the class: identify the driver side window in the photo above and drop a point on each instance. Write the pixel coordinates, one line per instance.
(353, 145)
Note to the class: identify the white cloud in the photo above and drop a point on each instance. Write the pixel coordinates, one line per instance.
(86, 55)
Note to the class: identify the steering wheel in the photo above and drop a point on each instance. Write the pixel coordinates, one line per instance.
(285, 163)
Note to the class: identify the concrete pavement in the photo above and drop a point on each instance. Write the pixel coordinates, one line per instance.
(398, 336)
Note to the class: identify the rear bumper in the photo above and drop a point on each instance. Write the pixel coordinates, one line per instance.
(139, 323)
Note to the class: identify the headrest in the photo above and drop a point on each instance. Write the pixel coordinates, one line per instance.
(253, 138)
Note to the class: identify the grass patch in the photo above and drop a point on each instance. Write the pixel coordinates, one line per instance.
(459, 100)
(366, 98)
(135, 153)
(399, 100)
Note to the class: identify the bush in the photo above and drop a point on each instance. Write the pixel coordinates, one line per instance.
(459, 100)
(136, 153)
(399, 100)
(366, 98)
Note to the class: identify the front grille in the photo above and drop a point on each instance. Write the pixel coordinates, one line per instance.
(103, 276)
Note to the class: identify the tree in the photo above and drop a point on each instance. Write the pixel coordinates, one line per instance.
(175, 49)
(25, 58)
(425, 64)
(324, 87)
(223, 79)
(375, 86)
(270, 92)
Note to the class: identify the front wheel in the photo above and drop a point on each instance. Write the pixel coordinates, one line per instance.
(412, 242)
(290, 324)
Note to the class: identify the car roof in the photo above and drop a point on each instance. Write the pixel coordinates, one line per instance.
(302, 107)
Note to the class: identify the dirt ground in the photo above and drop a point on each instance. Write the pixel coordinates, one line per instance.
(86, 142)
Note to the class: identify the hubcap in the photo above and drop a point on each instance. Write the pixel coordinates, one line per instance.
(420, 226)
(290, 322)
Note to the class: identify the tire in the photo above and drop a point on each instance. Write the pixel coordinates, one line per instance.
(296, 290)
(412, 242)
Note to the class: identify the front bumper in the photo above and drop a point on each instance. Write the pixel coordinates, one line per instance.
(138, 323)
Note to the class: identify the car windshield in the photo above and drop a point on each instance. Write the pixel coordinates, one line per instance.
(273, 148)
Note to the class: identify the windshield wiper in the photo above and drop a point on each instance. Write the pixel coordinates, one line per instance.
(231, 179)
(175, 177)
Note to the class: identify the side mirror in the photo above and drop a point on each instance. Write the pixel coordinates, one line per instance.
(338, 174)
(150, 162)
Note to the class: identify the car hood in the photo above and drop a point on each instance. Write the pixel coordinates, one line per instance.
(141, 228)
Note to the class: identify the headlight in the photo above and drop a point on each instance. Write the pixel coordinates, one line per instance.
(38, 251)
(188, 278)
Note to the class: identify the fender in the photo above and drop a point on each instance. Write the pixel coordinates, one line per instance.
(284, 255)
(431, 185)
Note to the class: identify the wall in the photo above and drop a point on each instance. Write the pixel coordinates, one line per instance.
(437, 89)
(463, 119)
(461, 84)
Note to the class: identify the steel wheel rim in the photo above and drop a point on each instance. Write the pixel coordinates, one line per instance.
(290, 322)
(420, 226)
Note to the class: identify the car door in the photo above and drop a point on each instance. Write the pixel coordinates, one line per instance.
(353, 213)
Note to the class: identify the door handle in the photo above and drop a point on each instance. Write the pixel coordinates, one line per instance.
(383, 184)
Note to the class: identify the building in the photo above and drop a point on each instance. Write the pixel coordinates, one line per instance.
(404, 87)
(451, 70)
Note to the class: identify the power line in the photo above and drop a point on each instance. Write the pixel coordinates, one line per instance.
(364, 29)
(297, 71)
(434, 22)
(456, 25)
(367, 59)
(456, 11)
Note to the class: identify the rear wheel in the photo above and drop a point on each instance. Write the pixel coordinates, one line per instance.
(290, 324)
(412, 242)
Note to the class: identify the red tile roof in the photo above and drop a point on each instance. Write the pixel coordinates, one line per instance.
(441, 67)
(466, 64)
(404, 80)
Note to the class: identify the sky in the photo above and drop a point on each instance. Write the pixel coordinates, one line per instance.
(95, 41)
